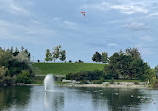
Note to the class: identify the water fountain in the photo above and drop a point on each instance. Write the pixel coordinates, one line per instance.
(49, 83)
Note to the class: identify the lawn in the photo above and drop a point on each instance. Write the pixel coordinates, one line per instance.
(65, 68)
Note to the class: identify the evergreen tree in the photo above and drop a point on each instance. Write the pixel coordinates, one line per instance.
(97, 57)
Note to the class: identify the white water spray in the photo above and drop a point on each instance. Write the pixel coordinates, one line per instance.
(49, 82)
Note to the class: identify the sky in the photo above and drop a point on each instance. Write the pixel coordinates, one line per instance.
(109, 26)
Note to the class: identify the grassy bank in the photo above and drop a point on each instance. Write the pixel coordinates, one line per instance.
(65, 68)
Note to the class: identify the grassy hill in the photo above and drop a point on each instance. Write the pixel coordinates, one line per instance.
(65, 68)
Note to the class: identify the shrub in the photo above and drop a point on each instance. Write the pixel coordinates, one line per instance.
(112, 81)
(154, 82)
(24, 77)
(86, 75)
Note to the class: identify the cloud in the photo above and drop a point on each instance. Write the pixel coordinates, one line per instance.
(135, 26)
(70, 24)
(123, 8)
(112, 45)
(129, 9)
(34, 33)
(153, 14)
(65, 23)
(13, 7)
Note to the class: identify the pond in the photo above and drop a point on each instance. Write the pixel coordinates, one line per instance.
(34, 98)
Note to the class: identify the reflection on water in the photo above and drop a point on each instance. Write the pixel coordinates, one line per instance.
(53, 101)
(34, 98)
(11, 96)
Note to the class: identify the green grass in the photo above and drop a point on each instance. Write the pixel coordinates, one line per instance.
(65, 68)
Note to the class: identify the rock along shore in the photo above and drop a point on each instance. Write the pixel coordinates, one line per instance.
(107, 86)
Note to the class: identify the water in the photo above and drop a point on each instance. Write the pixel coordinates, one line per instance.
(33, 98)
(49, 83)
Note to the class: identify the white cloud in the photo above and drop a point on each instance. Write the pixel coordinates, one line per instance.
(34, 33)
(70, 24)
(112, 45)
(153, 14)
(123, 8)
(135, 26)
(65, 23)
(13, 7)
(129, 9)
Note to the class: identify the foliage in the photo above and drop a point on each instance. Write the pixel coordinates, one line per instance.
(112, 81)
(24, 77)
(80, 61)
(85, 75)
(156, 70)
(105, 57)
(97, 57)
(56, 52)
(48, 55)
(62, 55)
(128, 65)
(154, 82)
(12, 63)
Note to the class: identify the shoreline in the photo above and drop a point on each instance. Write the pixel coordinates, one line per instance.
(107, 86)
(96, 86)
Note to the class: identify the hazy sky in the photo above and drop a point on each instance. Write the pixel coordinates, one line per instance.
(109, 25)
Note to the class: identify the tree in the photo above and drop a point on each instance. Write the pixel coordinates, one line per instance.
(16, 52)
(48, 55)
(133, 52)
(22, 48)
(97, 57)
(56, 52)
(11, 50)
(156, 70)
(62, 56)
(104, 57)
(13, 65)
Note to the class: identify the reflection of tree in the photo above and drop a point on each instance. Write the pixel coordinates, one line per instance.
(114, 99)
(54, 100)
(18, 95)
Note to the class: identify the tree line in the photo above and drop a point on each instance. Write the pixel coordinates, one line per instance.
(126, 64)
(57, 53)
(15, 66)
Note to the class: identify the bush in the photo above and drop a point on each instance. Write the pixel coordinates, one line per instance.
(86, 75)
(97, 82)
(24, 77)
(112, 81)
(154, 82)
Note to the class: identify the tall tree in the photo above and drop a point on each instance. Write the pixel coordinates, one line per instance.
(11, 50)
(133, 52)
(104, 57)
(97, 57)
(62, 56)
(22, 48)
(16, 52)
(48, 55)
(156, 70)
(56, 52)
